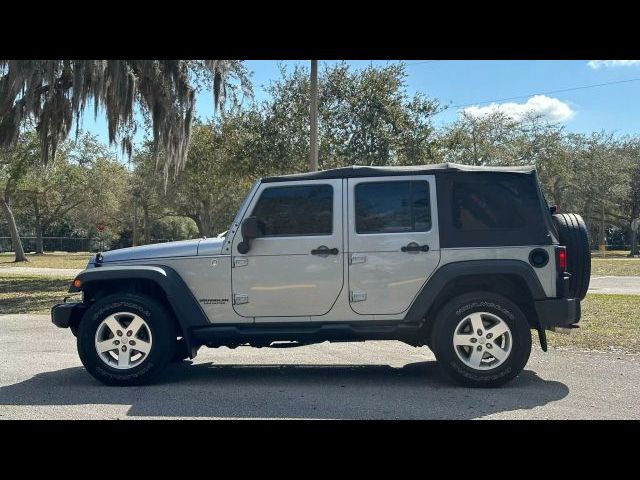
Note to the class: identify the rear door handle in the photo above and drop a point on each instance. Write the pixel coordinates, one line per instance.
(324, 250)
(414, 247)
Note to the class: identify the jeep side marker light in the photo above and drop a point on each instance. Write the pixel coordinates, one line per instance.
(76, 283)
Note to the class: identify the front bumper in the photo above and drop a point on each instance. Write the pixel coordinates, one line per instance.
(65, 315)
(558, 312)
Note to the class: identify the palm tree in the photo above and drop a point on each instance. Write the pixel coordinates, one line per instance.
(54, 94)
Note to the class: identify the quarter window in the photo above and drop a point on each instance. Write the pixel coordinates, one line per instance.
(296, 210)
(392, 207)
(488, 205)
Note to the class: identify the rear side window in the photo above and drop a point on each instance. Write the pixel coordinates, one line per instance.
(297, 210)
(392, 207)
(488, 205)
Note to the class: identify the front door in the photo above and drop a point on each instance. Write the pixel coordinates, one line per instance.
(393, 241)
(294, 269)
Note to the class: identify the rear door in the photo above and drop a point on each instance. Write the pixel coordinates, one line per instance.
(392, 241)
(295, 268)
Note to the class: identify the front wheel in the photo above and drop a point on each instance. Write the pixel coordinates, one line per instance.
(126, 339)
(481, 339)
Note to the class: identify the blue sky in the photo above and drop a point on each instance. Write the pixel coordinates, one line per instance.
(473, 83)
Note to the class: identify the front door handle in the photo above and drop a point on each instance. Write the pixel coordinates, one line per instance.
(324, 250)
(414, 247)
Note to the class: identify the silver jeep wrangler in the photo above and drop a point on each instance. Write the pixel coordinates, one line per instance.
(463, 260)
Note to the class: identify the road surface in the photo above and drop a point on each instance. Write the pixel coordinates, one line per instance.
(41, 377)
(611, 284)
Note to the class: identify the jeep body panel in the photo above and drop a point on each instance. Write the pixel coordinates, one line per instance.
(280, 276)
(369, 280)
(186, 308)
(383, 277)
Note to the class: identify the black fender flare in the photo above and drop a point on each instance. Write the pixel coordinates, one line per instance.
(450, 271)
(188, 311)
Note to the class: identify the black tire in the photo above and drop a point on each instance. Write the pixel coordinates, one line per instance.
(458, 309)
(162, 330)
(573, 234)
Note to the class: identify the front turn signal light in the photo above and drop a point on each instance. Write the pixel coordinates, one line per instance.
(76, 283)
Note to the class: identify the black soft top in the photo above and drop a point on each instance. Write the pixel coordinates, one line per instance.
(358, 171)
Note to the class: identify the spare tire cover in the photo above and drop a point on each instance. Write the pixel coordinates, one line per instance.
(573, 234)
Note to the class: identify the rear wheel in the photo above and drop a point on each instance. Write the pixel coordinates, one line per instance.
(481, 339)
(575, 237)
(126, 339)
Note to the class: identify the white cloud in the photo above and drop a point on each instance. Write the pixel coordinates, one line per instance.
(596, 64)
(552, 109)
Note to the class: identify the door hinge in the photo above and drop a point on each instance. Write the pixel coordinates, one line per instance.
(358, 296)
(240, 262)
(240, 298)
(357, 258)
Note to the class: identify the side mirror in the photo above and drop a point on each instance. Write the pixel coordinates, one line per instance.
(249, 230)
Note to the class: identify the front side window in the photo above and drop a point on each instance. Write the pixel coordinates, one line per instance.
(392, 207)
(296, 210)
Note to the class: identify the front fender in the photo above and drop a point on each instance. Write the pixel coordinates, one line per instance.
(187, 310)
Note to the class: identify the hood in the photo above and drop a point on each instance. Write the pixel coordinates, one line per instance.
(183, 248)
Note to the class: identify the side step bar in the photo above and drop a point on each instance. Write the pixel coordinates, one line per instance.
(221, 335)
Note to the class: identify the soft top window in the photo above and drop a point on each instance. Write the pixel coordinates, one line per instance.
(487, 209)
(485, 205)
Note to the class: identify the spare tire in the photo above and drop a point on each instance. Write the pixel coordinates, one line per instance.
(573, 234)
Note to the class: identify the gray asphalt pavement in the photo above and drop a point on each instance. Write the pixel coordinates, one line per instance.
(41, 377)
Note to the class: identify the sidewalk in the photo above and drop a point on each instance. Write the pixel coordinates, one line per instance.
(612, 284)
(50, 272)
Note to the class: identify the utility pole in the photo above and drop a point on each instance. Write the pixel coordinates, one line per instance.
(313, 117)
(603, 246)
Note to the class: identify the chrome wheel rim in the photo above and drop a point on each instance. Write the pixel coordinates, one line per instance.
(123, 340)
(482, 341)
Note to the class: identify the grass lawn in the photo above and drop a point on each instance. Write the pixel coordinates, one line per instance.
(615, 266)
(31, 293)
(608, 322)
(48, 260)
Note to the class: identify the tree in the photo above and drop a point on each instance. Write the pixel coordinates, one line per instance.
(365, 118)
(211, 186)
(480, 140)
(55, 93)
(14, 166)
(51, 191)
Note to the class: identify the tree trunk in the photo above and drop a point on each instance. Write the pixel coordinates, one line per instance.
(634, 235)
(39, 240)
(147, 225)
(13, 229)
(134, 233)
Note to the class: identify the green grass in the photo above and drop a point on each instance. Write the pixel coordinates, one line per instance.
(616, 266)
(31, 293)
(48, 260)
(609, 322)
